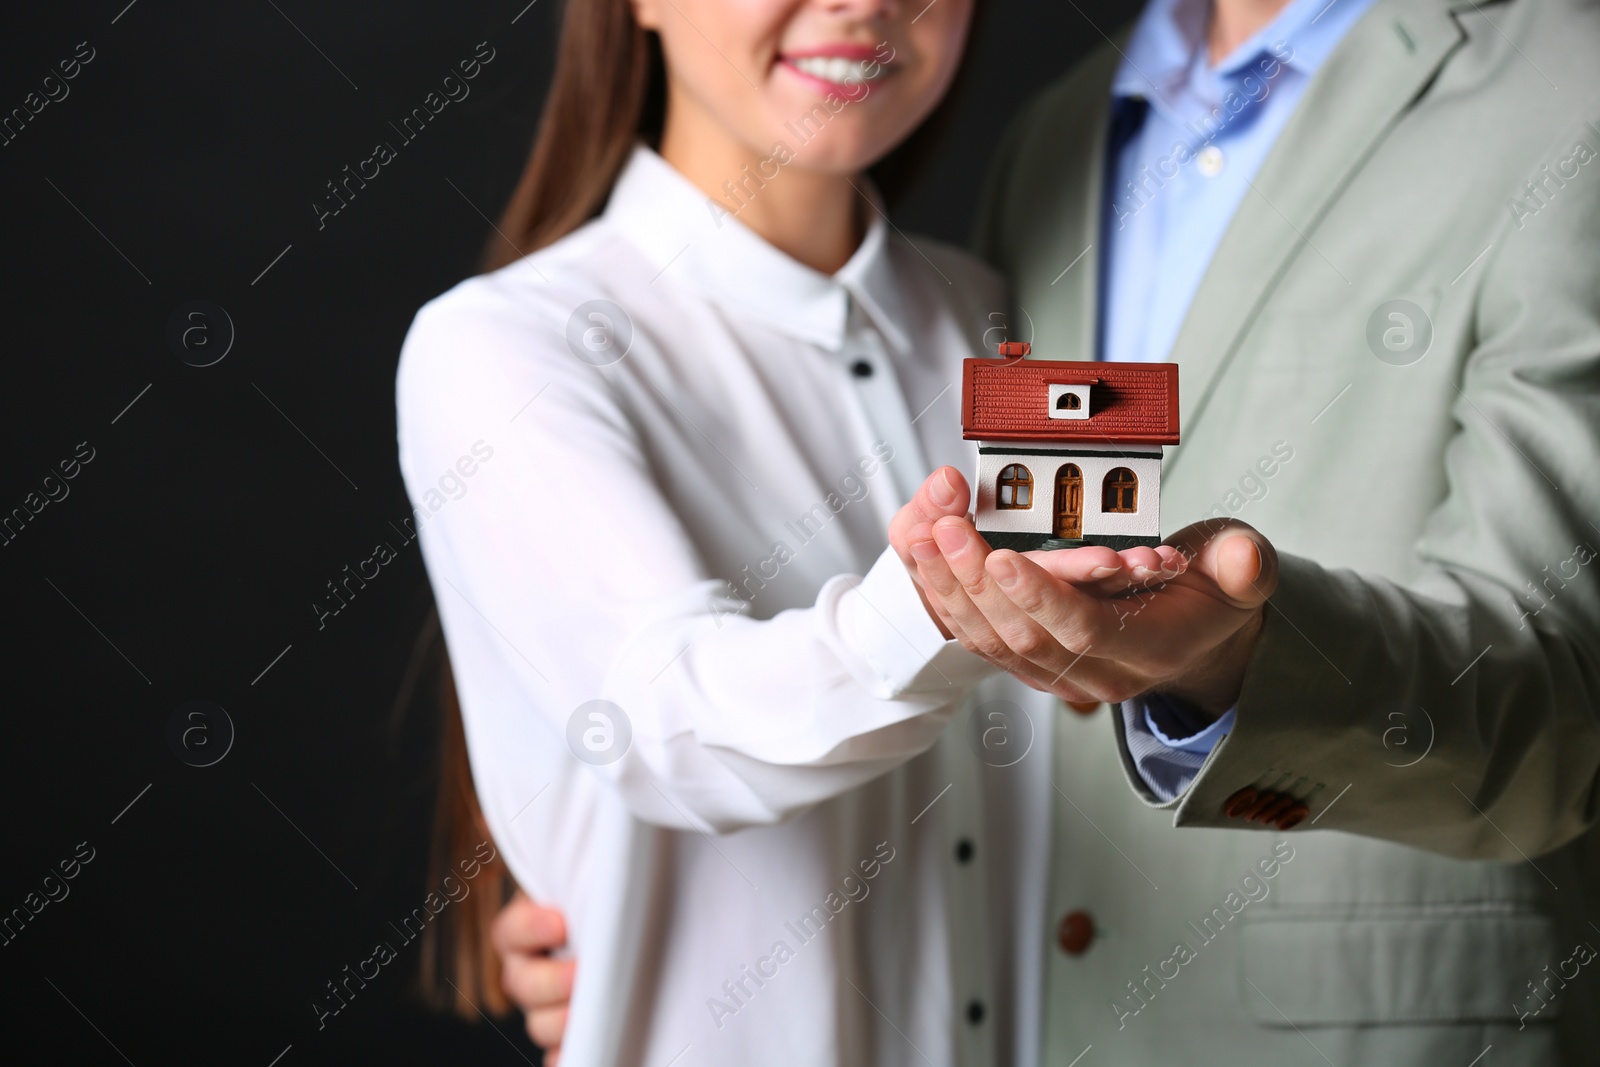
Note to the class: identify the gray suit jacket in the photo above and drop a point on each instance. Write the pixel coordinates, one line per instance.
(1427, 679)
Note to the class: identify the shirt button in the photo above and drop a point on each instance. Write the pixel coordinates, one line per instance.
(964, 851)
(1209, 160)
(1075, 933)
(861, 369)
(975, 1012)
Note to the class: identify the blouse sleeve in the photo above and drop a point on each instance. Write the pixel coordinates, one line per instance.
(728, 721)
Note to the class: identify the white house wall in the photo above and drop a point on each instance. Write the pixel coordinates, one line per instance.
(1095, 465)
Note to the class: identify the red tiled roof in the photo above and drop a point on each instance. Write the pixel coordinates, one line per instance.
(1007, 400)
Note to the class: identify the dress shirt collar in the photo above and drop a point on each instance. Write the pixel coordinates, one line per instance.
(1165, 59)
(694, 240)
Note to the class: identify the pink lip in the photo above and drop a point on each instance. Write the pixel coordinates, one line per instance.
(823, 85)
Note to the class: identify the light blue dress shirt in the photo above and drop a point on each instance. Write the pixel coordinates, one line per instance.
(1186, 141)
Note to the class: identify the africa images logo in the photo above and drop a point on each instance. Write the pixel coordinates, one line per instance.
(598, 732)
(1399, 332)
(200, 733)
(599, 332)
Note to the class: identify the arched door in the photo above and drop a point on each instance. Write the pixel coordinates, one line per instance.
(1069, 502)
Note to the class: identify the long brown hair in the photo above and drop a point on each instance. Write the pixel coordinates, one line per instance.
(607, 92)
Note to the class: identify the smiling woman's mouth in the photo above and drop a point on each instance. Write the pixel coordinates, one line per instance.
(837, 69)
(848, 66)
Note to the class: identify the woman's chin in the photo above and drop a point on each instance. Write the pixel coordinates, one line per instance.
(847, 144)
(835, 161)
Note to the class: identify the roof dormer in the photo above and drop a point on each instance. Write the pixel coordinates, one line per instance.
(1069, 401)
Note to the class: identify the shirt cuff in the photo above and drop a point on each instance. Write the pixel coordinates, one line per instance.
(1168, 742)
(888, 625)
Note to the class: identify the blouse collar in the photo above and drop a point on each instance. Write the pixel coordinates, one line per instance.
(692, 239)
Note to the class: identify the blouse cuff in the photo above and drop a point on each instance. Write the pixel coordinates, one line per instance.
(885, 621)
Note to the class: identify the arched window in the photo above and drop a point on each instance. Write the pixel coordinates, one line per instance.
(1069, 402)
(1121, 492)
(1015, 487)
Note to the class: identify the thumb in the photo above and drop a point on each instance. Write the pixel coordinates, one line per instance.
(1234, 556)
(944, 492)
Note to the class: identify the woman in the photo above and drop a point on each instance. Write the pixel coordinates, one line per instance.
(679, 427)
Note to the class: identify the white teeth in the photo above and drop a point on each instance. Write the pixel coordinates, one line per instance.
(837, 69)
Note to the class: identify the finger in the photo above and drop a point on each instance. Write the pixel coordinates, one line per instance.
(534, 982)
(962, 618)
(944, 492)
(547, 1026)
(552, 1057)
(1102, 628)
(943, 592)
(1238, 560)
(1093, 568)
(1066, 612)
(966, 623)
(1081, 566)
(1135, 569)
(1098, 629)
(1146, 560)
(1151, 565)
(1173, 561)
(934, 610)
(525, 927)
(1247, 567)
(976, 568)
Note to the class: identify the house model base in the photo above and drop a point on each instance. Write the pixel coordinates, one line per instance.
(1069, 454)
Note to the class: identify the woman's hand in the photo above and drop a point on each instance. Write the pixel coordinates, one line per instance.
(1090, 624)
(524, 934)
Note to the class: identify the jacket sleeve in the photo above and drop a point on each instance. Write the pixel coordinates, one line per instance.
(1488, 662)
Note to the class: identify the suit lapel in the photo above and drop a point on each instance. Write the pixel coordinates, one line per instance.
(1374, 75)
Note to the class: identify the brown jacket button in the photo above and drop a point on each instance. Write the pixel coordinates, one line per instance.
(1075, 933)
(1084, 707)
(1276, 810)
(1239, 803)
(1264, 800)
(1292, 818)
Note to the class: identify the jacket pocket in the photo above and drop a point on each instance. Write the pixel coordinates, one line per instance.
(1318, 967)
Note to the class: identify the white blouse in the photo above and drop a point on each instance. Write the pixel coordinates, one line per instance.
(708, 716)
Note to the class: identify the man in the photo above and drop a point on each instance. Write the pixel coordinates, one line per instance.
(1369, 233)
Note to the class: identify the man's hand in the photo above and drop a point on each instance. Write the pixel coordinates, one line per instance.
(524, 935)
(1091, 624)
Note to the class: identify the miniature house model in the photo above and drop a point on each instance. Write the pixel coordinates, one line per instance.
(1069, 454)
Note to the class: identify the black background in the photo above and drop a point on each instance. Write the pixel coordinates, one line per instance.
(189, 550)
